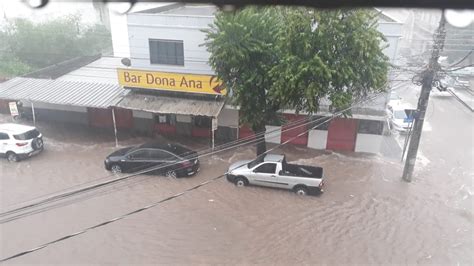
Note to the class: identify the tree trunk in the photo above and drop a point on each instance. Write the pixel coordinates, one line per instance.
(259, 131)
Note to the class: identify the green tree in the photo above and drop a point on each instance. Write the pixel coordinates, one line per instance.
(38, 45)
(243, 52)
(282, 57)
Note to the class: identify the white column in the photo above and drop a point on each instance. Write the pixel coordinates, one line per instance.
(115, 127)
(33, 112)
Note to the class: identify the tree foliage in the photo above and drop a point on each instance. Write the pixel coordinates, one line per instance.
(281, 57)
(38, 45)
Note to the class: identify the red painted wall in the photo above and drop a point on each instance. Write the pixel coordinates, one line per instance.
(245, 131)
(291, 133)
(201, 132)
(102, 118)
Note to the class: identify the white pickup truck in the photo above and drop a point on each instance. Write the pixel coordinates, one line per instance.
(272, 170)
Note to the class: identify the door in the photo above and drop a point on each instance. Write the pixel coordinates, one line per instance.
(163, 161)
(265, 175)
(342, 134)
(4, 140)
(138, 160)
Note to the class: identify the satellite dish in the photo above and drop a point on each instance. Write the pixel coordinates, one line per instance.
(126, 62)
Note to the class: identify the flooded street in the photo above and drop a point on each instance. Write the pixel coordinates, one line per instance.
(365, 216)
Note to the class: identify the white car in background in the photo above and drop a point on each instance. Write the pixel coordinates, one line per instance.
(394, 99)
(19, 141)
(400, 116)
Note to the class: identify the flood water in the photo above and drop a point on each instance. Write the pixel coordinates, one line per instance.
(365, 216)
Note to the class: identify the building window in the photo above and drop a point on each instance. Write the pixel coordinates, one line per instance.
(166, 52)
(370, 127)
(169, 119)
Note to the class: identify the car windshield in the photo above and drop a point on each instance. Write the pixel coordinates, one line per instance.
(253, 163)
(27, 135)
(394, 96)
(399, 114)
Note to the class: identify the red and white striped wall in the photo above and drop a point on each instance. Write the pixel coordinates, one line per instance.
(341, 135)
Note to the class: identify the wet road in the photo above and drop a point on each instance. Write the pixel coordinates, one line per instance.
(366, 215)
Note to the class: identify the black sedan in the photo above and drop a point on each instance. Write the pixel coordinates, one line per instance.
(171, 160)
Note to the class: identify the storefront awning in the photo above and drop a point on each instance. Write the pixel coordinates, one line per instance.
(171, 105)
(75, 93)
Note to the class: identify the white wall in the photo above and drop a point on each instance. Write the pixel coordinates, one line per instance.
(368, 143)
(228, 118)
(142, 27)
(119, 32)
(58, 107)
(273, 134)
(183, 118)
(317, 139)
(392, 32)
(141, 114)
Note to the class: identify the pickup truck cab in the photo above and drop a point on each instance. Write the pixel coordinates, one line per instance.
(272, 170)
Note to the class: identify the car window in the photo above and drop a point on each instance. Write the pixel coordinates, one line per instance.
(400, 114)
(140, 154)
(267, 168)
(161, 155)
(27, 135)
(4, 136)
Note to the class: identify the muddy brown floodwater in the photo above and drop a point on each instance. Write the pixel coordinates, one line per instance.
(366, 215)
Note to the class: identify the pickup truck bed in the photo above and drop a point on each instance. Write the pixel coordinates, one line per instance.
(301, 171)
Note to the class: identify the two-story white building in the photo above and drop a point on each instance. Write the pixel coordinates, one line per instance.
(169, 38)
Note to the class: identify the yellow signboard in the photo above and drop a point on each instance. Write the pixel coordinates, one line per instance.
(170, 81)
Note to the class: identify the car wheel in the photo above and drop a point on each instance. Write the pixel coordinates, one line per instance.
(12, 157)
(37, 144)
(116, 169)
(171, 173)
(301, 191)
(241, 182)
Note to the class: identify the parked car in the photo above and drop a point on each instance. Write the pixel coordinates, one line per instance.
(172, 160)
(400, 117)
(394, 99)
(19, 141)
(272, 170)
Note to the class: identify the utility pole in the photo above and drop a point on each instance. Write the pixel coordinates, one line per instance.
(427, 82)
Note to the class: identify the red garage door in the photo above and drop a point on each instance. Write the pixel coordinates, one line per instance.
(342, 134)
(288, 133)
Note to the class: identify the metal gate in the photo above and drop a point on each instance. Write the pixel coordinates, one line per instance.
(342, 134)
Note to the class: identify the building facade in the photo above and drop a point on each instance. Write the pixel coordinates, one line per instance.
(166, 87)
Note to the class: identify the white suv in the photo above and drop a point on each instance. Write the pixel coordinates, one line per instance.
(19, 141)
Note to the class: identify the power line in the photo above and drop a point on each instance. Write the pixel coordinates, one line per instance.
(160, 201)
(55, 198)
